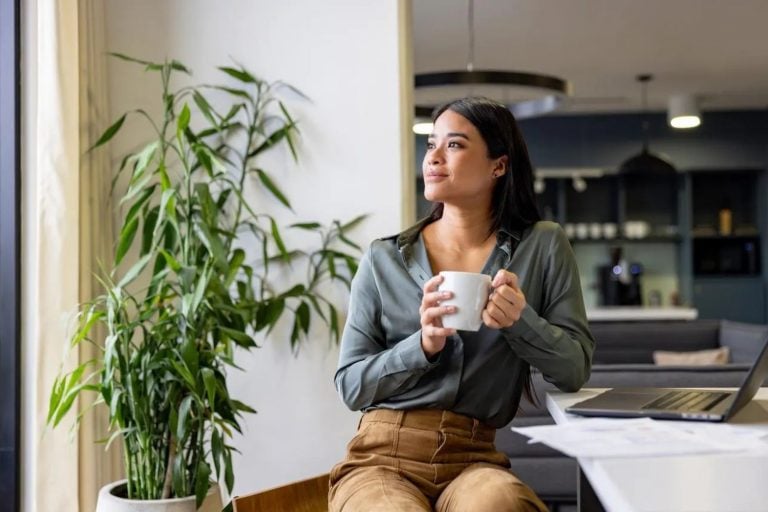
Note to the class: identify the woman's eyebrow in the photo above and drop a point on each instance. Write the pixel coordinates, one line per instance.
(451, 134)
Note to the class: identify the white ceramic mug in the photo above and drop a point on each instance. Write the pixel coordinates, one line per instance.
(470, 295)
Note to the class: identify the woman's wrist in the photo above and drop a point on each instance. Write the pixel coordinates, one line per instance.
(430, 350)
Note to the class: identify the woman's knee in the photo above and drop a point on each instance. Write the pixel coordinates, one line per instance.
(375, 489)
(484, 487)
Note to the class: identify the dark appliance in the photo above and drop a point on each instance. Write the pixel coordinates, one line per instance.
(619, 281)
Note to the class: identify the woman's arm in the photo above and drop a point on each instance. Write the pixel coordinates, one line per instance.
(557, 340)
(368, 371)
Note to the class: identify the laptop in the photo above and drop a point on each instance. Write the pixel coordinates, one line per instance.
(675, 403)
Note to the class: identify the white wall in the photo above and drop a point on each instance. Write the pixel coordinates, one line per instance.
(343, 54)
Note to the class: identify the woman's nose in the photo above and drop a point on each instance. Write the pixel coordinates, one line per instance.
(435, 156)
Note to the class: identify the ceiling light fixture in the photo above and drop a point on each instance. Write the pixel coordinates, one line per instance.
(646, 162)
(422, 128)
(579, 184)
(512, 88)
(683, 111)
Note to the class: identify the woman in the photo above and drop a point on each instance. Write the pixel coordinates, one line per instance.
(433, 397)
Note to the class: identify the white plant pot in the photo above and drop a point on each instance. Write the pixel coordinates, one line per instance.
(108, 502)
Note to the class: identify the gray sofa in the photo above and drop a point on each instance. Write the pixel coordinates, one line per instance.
(624, 357)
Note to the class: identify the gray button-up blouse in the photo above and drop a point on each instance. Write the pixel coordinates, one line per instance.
(479, 374)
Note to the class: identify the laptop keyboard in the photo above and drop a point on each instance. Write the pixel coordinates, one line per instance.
(686, 401)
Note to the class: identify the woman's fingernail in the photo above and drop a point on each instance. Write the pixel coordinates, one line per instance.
(445, 295)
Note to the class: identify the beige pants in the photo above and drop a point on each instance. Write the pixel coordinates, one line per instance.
(424, 460)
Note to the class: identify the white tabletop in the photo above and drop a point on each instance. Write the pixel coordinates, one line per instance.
(718, 482)
(638, 313)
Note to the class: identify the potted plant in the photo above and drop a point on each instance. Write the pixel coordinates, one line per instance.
(173, 319)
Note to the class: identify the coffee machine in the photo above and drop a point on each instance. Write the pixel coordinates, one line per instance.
(619, 281)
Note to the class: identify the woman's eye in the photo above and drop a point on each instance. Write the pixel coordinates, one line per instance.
(430, 145)
(454, 144)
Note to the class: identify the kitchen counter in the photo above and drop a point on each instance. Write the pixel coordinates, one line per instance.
(640, 313)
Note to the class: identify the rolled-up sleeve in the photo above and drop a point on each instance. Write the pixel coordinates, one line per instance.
(369, 371)
(557, 339)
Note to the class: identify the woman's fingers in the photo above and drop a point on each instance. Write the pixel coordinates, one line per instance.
(505, 292)
(436, 331)
(432, 284)
(491, 321)
(432, 296)
(429, 315)
(503, 277)
(506, 303)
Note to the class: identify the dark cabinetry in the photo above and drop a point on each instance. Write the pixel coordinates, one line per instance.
(726, 244)
(710, 222)
(637, 208)
(724, 203)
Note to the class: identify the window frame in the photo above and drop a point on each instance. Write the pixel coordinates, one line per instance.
(10, 251)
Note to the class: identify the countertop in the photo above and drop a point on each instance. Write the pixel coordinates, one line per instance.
(637, 313)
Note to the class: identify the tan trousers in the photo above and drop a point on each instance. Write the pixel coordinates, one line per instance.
(425, 460)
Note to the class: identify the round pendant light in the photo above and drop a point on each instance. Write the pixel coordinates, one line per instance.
(526, 94)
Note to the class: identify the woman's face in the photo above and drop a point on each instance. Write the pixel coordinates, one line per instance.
(456, 167)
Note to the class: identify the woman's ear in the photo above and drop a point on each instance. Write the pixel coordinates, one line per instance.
(500, 167)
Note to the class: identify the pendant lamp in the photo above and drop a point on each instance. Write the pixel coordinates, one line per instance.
(646, 162)
(433, 88)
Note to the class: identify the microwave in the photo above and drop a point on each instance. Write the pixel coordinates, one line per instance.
(733, 255)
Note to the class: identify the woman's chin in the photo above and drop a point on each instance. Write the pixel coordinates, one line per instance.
(430, 194)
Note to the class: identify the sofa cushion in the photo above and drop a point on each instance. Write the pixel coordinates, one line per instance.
(634, 342)
(693, 357)
(744, 340)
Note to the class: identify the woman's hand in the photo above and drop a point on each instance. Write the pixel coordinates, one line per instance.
(433, 333)
(506, 303)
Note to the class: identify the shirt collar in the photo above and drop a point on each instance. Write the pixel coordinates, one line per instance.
(506, 238)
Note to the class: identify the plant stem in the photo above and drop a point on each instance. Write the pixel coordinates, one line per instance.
(169, 467)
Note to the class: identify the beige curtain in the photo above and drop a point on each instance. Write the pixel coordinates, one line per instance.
(67, 235)
(96, 466)
(50, 196)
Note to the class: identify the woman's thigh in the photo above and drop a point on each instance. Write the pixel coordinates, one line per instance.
(488, 488)
(376, 489)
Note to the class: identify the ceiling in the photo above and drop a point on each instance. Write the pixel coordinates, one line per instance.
(714, 49)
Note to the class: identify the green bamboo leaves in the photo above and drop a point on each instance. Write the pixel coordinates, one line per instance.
(184, 290)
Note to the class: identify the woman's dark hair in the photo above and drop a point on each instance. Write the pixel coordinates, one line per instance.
(513, 204)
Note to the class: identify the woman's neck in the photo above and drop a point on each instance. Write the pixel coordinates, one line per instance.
(465, 229)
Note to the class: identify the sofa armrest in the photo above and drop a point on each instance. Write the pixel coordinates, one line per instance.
(744, 340)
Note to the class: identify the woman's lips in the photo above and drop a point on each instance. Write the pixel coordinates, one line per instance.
(434, 176)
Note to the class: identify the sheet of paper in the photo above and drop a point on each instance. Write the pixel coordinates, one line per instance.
(643, 437)
(733, 437)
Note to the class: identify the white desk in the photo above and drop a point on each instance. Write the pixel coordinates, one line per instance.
(639, 313)
(723, 482)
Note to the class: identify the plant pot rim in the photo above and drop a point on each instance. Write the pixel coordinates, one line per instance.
(110, 487)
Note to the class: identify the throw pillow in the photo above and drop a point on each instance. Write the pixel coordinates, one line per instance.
(744, 340)
(691, 358)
